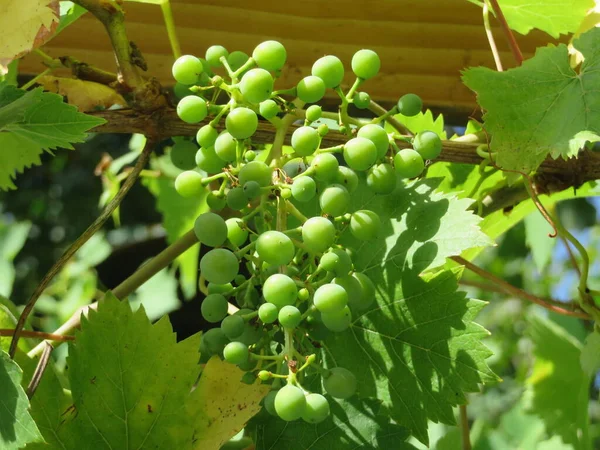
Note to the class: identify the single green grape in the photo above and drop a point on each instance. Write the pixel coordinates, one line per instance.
(214, 53)
(313, 113)
(239, 279)
(236, 199)
(334, 200)
(330, 69)
(317, 408)
(186, 69)
(294, 167)
(360, 153)
(206, 136)
(251, 189)
(323, 129)
(237, 59)
(207, 160)
(256, 171)
(269, 402)
(303, 294)
(330, 297)
(340, 383)
(189, 184)
(280, 290)
(267, 312)
(215, 288)
(214, 340)
(325, 166)
(241, 123)
(225, 147)
(428, 144)
(215, 200)
(219, 266)
(183, 155)
(352, 287)
(233, 326)
(378, 136)
(337, 261)
(337, 321)
(367, 289)
(310, 89)
(214, 308)
(265, 375)
(236, 353)
(270, 55)
(275, 248)
(256, 85)
(304, 189)
(210, 229)
(286, 193)
(361, 100)
(365, 225)
(249, 155)
(408, 163)
(318, 234)
(347, 178)
(410, 105)
(192, 109)
(382, 178)
(237, 233)
(289, 317)
(305, 140)
(366, 64)
(268, 109)
(290, 403)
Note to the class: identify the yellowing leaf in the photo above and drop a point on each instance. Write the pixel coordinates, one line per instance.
(223, 404)
(26, 25)
(86, 95)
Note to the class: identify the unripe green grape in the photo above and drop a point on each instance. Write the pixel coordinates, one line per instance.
(340, 383)
(428, 144)
(275, 248)
(189, 184)
(249, 155)
(236, 199)
(251, 189)
(206, 136)
(256, 171)
(313, 113)
(186, 69)
(303, 294)
(410, 105)
(214, 340)
(305, 140)
(214, 53)
(290, 403)
(183, 155)
(265, 375)
(182, 90)
(378, 136)
(210, 229)
(330, 297)
(280, 290)
(269, 401)
(294, 167)
(219, 266)
(251, 334)
(268, 109)
(310, 89)
(286, 193)
(337, 321)
(318, 234)
(361, 100)
(237, 59)
(233, 326)
(215, 288)
(381, 178)
(323, 129)
(225, 147)
(367, 291)
(214, 308)
(216, 201)
(325, 166)
(330, 69)
(352, 287)
(289, 317)
(270, 55)
(366, 64)
(237, 233)
(337, 261)
(235, 353)
(365, 225)
(317, 408)
(408, 163)
(334, 200)
(304, 189)
(241, 123)
(256, 85)
(347, 178)
(207, 160)
(192, 109)
(360, 153)
(239, 279)
(267, 312)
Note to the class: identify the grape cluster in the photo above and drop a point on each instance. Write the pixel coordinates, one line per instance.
(276, 277)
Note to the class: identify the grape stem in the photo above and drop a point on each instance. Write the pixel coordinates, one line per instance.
(165, 7)
(490, 37)
(275, 152)
(295, 212)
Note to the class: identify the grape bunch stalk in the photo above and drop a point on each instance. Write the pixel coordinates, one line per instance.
(278, 262)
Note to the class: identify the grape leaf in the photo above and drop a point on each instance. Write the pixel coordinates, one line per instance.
(86, 95)
(46, 123)
(69, 13)
(222, 404)
(557, 369)
(417, 349)
(17, 427)
(590, 354)
(537, 230)
(555, 17)
(543, 107)
(12, 239)
(420, 122)
(354, 423)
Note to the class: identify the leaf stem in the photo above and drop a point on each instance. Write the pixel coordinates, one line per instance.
(464, 427)
(36, 78)
(36, 335)
(379, 110)
(167, 12)
(39, 370)
(512, 42)
(490, 37)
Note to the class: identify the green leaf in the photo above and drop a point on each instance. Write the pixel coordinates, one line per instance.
(17, 427)
(12, 239)
(130, 379)
(354, 423)
(14, 102)
(158, 295)
(8, 320)
(537, 230)
(10, 76)
(418, 349)
(69, 13)
(542, 107)
(590, 354)
(421, 122)
(555, 17)
(179, 215)
(45, 124)
(557, 370)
